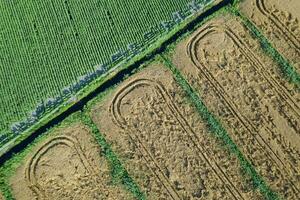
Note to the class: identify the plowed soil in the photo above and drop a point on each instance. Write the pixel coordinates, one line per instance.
(66, 166)
(242, 87)
(279, 21)
(164, 144)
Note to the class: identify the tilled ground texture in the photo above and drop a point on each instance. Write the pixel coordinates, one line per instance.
(279, 22)
(241, 86)
(164, 144)
(67, 165)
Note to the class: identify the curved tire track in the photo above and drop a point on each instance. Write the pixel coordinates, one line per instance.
(30, 172)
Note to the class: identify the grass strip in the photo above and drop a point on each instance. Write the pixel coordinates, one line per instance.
(220, 133)
(118, 172)
(287, 69)
(4, 185)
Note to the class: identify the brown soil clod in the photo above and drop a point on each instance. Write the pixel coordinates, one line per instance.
(260, 113)
(279, 21)
(66, 166)
(164, 144)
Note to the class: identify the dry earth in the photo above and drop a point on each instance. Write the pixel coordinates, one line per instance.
(67, 165)
(241, 86)
(164, 144)
(279, 21)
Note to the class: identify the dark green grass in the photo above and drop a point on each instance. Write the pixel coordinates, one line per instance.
(220, 133)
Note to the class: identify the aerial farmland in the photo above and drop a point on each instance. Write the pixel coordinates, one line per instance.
(150, 100)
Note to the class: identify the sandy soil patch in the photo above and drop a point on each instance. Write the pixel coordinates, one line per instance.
(67, 165)
(164, 144)
(240, 86)
(279, 21)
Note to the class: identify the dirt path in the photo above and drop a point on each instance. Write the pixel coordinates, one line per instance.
(239, 86)
(67, 165)
(164, 144)
(279, 21)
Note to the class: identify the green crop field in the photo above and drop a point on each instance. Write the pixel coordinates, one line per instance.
(49, 50)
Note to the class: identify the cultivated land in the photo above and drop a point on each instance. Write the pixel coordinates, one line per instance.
(214, 115)
(278, 20)
(66, 164)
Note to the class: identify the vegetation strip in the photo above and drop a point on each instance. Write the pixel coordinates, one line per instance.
(118, 172)
(219, 132)
(4, 185)
(287, 69)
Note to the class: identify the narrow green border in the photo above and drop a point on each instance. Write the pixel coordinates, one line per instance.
(118, 173)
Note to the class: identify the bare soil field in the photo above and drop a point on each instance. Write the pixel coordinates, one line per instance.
(1, 197)
(243, 89)
(67, 165)
(279, 21)
(164, 144)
